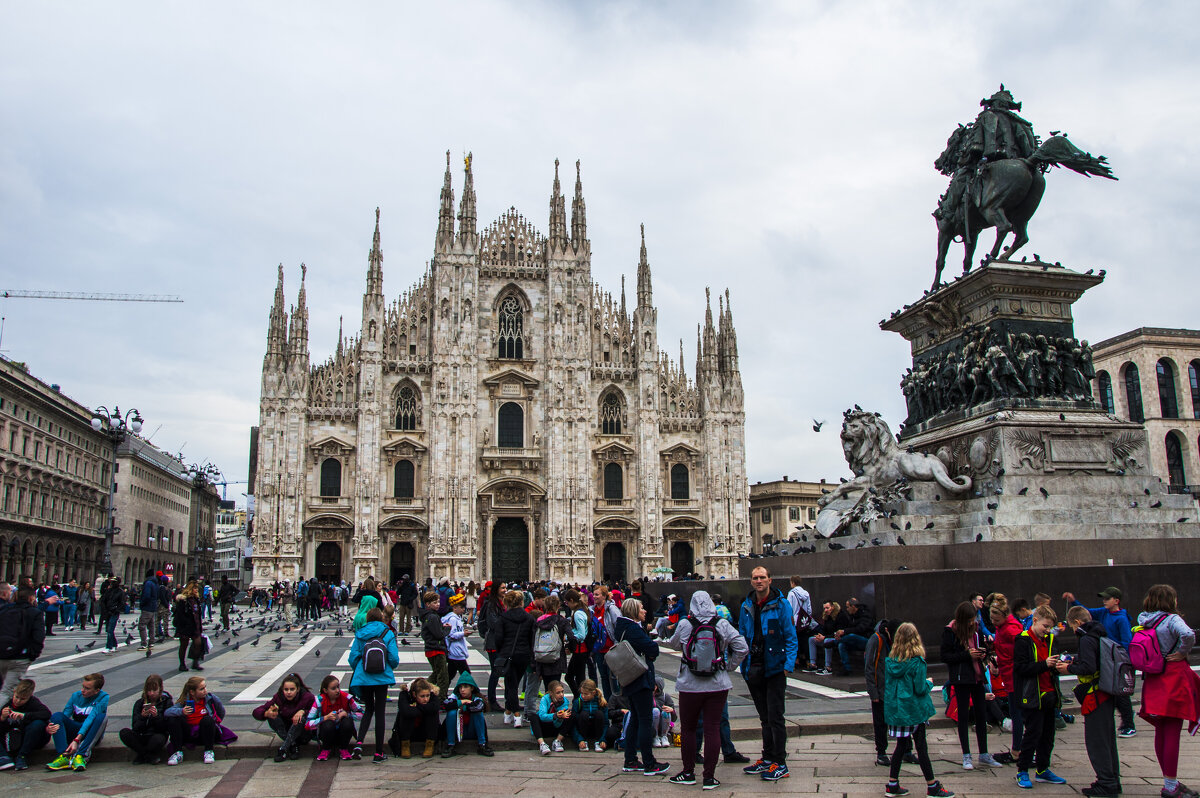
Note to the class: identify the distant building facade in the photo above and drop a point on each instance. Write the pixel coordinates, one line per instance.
(153, 502)
(782, 509)
(54, 472)
(1152, 375)
(503, 418)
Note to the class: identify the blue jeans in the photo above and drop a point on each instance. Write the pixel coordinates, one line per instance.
(68, 728)
(110, 626)
(68, 615)
(473, 725)
(23, 742)
(848, 643)
(608, 684)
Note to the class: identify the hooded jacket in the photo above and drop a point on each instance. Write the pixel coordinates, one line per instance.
(879, 644)
(22, 631)
(372, 630)
(1006, 636)
(514, 638)
(702, 608)
(33, 710)
(906, 699)
(1086, 665)
(433, 634)
(775, 638)
(472, 704)
(456, 636)
(862, 623)
(302, 702)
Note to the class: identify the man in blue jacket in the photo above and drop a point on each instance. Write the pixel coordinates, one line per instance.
(148, 606)
(766, 623)
(1118, 629)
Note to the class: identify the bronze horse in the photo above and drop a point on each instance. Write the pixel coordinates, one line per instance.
(1005, 194)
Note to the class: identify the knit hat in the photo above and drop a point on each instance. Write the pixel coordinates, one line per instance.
(457, 598)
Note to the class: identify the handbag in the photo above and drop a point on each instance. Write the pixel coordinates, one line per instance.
(502, 661)
(625, 664)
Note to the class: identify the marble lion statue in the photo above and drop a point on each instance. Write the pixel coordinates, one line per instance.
(877, 460)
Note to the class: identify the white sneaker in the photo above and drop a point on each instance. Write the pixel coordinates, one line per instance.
(599, 748)
(545, 749)
(967, 762)
(175, 758)
(209, 757)
(508, 718)
(516, 721)
(556, 746)
(1006, 724)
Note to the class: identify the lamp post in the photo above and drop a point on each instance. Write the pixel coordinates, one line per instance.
(202, 477)
(116, 427)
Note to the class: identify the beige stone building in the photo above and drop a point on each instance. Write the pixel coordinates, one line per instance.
(783, 508)
(153, 504)
(503, 417)
(1152, 375)
(53, 482)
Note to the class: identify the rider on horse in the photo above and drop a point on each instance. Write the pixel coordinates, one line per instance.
(996, 134)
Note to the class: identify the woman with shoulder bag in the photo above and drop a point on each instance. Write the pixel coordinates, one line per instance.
(189, 627)
(639, 691)
(704, 686)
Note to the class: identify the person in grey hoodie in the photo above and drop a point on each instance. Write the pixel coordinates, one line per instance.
(703, 693)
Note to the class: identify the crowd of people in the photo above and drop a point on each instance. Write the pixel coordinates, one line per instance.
(577, 666)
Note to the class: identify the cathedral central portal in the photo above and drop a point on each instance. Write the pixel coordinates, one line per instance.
(510, 550)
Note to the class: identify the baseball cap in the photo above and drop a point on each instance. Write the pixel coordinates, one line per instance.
(1110, 592)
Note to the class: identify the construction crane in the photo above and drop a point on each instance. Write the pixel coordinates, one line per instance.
(19, 294)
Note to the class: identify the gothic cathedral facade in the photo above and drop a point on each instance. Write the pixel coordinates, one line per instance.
(503, 418)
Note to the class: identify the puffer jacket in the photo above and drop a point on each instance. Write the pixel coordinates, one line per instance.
(368, 632)
(702, 608)
(776, 631)
(906, 699)
(1006, 637)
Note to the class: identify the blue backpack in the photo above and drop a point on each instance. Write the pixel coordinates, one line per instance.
(598, 633)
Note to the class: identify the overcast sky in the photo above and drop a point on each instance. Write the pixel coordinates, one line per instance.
(783, 150)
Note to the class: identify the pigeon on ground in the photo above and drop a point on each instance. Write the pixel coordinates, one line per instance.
(1180, 520)
(900, 540)
(991, 521)
(78, 650)
(1023, 491)
(254, 642)
(237, 645)
(993, 505)
(979, 537)
(316, 652)
(403, 642)
(835, 546)
(278, 645)
(929, 525)
(894, 526)
(1045, 493)
(907, 525)
(1146, 491)
(1156, 505)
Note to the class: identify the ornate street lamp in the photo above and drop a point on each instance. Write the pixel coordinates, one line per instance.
(203, 476)
(116, 427)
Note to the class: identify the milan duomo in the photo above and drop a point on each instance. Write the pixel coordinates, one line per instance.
(503, 418)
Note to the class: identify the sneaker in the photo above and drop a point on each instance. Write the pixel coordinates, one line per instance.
(631, 767)
(1006, 725)
(5, 763)
(736, 758)
(1069, 718)
(281, 754)
(60, 762)
(356, 752)
(936, 790)
(346, 755)
(1127, 731)
(1098, 792)
(599, 748)
(894, 790)
(777, 771)
(710, 784)
(1060, 722)
(78, 763)
(1181, 791)
(756, 768)
(1048, 776)
(141, 648)
(987, 759)
(517, 721)
(1023, 781)
(210, 757)
(662, 741)
(485, 750)
(967, 762)
(20, 764)
(294, 752)
(380, 757)
(556, 746)
(657, 769)
(544, 748)
(175, 758)
(1005, 758)
(323, 756)
(683, 778)
(823, 672)
(508, 718)
(912, 758)
(883, 760)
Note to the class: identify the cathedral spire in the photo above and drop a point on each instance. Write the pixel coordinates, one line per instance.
(729, 338)
(710, 334)
(578, 213)
(298, 337)
(645, 295)
(558, 214)
(466, 210)
(445, 234)
(340, 338)
(624, 316)
(277, 322)
(375, 262)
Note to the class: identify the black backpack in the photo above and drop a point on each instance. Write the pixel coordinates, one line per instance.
(374, 656)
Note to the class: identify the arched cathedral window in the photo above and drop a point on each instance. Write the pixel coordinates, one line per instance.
(510, 426)
(408, 411)
(331, 477)
(610, 415)
(614, 487)
(404, 479)
(679, 482)
(511, 344)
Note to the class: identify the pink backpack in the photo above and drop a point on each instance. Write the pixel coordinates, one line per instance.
(1144, 651)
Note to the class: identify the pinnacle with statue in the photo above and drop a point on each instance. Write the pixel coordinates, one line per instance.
(997, 167)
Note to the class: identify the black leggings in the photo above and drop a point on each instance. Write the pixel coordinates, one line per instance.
(493, 678)
(904, 745)
(966, 696)
(184, 642)
(335, 733)
(374, 698)
(577, 671)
